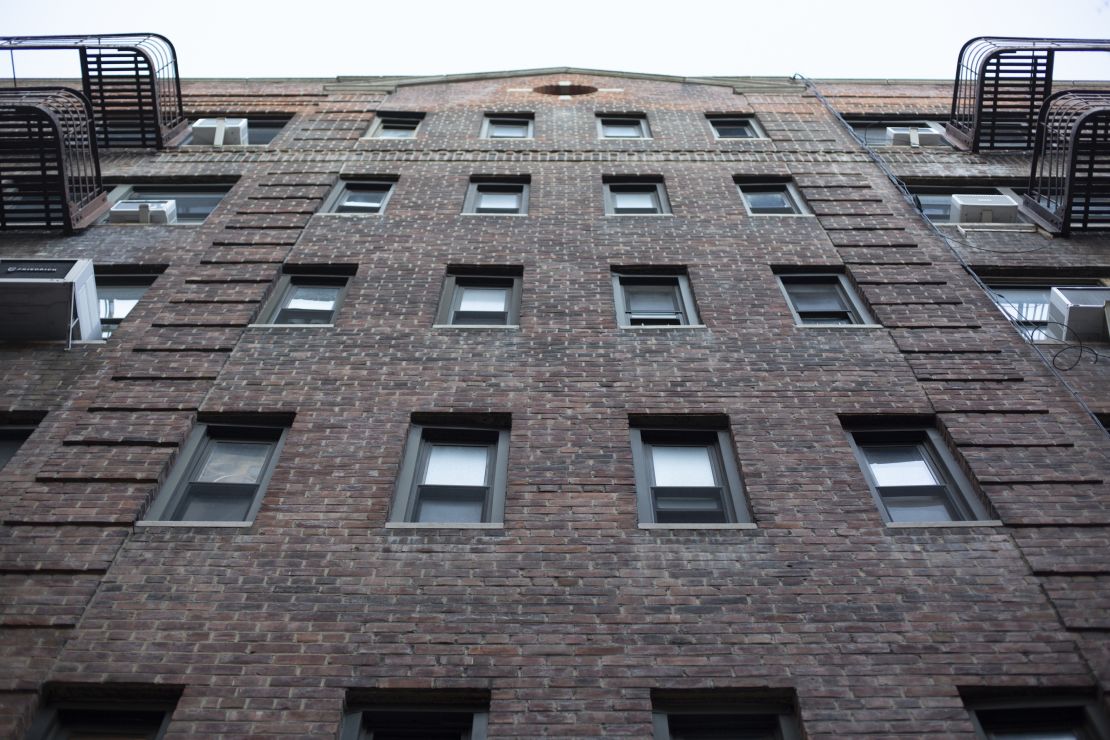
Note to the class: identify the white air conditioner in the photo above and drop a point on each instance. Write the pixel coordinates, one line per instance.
(1082, 310)
(221, 131)
(144, 212)
(988, 209)
(913, 136)
(47, 300)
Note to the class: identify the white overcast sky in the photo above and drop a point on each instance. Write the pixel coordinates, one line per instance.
(327, 38)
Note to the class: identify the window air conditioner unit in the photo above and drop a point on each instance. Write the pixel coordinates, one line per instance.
(221, 131)
(905, 135)
(143, 212)
(1082, 310)
(989, 209)
(44, 300)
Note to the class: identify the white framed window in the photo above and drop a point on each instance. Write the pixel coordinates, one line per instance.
(623, 127)
(508, 126)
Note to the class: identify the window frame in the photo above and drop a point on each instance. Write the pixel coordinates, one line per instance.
(284, 287)
(121, 279)
(867, 123)
(788, 188)
(947, 190)
(49, 725)
(757, 129)
(473, 195)
(657, 188)
(451, 296)
(735, 507)
(857, 308)
(640, 119)
(353, 717)
(685, 303)
(382, 120)
(961, 495)
(1030, 328)
(18, 433)
(421, 437)
(494, 119)
(1095, 724)
(264, 119)
(172, 494)
(334, 201)
(126, 191)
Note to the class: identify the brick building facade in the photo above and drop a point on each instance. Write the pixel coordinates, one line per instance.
(593, 599)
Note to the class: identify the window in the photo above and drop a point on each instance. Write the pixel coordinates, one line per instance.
(413, 714)
(366, 197)
(686, 474)
(724, 715)
(823, 299)
(261, 130)
(505, 197)
(623, 127)
(735, 127)
(306, 296)
(453, 474)
(913, 477)
(935, 201)
(193, 203)
(477, 297)
(1028, 303)
(105, 717)
(12, 438)
(117, 294)
(514, 126)
(396, 125)
(899, 132)
(1039, 718)
(771, 198)
(645, 299)
(634, 196)
(221, 474)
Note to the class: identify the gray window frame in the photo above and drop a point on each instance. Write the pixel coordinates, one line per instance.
(126, 191)
(640, 119)
(334, 201)
(657, 188)
(421, 436)
(722, 458)
(451, 296)
(961, 494)
(284, 287)
(860, 314)
(686, 305)
(192, 454)
(117, 714)
(793, 197)
(493, 119)
(121, 279)
(352, 728)
(787, 722)
(392, 118)
(470, 203)
(725, 119)
(1041, 332)
(861, 126)
(1096, 726)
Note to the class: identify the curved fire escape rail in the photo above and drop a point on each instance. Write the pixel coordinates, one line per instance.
(49, 168)
(131, 79)
(1001, 84)
(1069, 184)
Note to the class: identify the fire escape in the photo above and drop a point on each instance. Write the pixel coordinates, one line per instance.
(49, 137)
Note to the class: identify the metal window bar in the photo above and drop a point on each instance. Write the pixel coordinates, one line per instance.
(1001, 84)
(1069, 181)
(49, 164)
(131, 80)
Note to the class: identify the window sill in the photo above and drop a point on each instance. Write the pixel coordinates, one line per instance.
(782, 215)
(498, 215)
(640, 215)
(290, 326)
(348, 215)
(211, 525)
(221, 147)
(502, 327)
(444, 525)
(941, 525)
(839, 326)
(727, 525)
(659, 328)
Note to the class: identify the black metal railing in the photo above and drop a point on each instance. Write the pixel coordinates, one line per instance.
(49, 168)
(1069, 183)
(1001, 84)
(131, 80)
